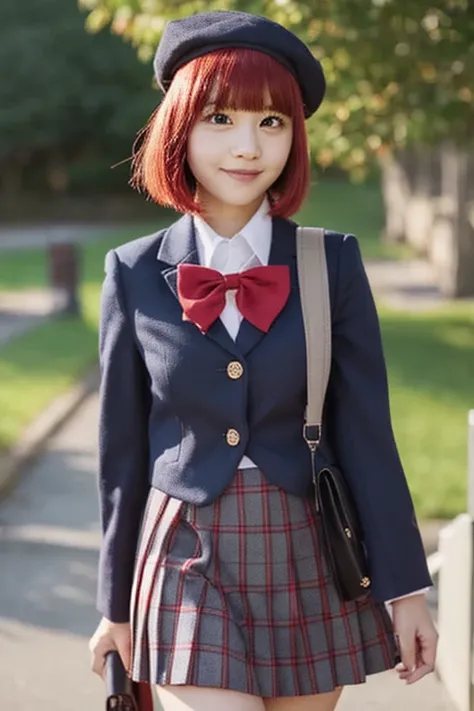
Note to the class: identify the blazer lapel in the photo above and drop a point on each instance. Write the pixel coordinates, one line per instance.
(178, 246)
(282, 251)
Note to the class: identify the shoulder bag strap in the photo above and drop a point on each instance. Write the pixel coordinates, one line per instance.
(314, 294)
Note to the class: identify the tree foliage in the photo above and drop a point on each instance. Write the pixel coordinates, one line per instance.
(398, 72)
(64, 91)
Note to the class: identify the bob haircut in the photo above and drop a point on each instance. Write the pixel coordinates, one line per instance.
(236, 79)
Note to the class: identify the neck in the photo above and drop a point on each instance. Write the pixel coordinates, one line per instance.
(228, 220)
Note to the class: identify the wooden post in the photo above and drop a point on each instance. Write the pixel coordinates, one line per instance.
(64, 277)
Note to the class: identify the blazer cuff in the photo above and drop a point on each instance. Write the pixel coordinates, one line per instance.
(423, 591)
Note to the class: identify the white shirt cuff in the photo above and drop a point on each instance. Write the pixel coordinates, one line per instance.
(415, 592)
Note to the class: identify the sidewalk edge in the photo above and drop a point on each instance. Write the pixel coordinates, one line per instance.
(31, 443)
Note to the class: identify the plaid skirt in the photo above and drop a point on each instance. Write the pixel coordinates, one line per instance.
(237, 595)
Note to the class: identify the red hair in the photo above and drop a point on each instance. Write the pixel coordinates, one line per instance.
(235, 79)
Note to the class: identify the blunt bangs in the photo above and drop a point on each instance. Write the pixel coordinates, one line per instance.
(234, 79)
(241, 80)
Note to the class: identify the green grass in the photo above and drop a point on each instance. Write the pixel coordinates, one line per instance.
(44, 362)
(332, 204)
(429, 355)
(431, 375)
(38, 366)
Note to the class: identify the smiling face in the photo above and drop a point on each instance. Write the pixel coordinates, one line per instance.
(236, 156)
(230, 128)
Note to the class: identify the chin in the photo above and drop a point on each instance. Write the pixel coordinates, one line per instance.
(241, 198)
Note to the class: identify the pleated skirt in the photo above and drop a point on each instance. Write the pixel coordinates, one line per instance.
(237, 595)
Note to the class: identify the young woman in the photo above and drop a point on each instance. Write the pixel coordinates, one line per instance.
(213, 584)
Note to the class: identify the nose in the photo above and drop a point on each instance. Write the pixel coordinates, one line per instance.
(246, 144)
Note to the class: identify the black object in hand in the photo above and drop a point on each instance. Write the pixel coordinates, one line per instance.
(119, 686)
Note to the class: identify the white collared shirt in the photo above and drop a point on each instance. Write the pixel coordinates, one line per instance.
(250, 247)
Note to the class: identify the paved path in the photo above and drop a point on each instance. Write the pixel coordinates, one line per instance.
(12, 238)
(48, 556)
(408, 284)
(49, 539)
(20, 311)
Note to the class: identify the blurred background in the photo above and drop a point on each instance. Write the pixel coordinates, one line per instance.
(392, 151)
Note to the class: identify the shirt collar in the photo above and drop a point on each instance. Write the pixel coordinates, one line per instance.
(257, 233)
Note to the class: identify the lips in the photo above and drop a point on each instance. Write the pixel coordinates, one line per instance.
(243, 175)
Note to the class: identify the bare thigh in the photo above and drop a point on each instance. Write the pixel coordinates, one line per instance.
(318, 702)
(203, 698)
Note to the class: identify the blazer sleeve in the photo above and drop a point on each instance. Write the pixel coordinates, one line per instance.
(359, 428)
(123, 447)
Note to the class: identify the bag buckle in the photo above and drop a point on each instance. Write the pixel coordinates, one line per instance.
(312, 436)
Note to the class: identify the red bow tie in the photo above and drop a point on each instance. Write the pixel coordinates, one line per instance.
(262, 293)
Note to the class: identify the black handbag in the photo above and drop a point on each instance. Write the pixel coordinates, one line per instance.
(341, 529)
(342, 535)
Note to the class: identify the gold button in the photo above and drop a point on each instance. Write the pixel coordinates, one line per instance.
(232, 437)
(235, 370)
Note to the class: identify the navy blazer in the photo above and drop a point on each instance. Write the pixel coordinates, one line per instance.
(167, 403)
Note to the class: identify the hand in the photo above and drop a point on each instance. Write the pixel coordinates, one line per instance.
(110, 636)
(417, 637)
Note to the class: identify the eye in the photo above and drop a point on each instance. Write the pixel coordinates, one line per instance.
(218, 119)
(273, 121)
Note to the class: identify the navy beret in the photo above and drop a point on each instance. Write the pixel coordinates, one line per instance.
(194, 36)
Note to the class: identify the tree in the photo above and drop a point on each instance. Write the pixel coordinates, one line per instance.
(397, 72)
(400, 75)
(63, 91)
